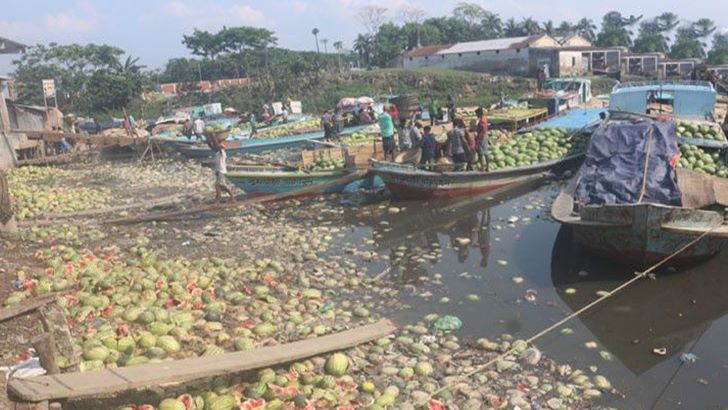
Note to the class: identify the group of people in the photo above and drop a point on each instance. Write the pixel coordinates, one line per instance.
(466, 146)
(362, 115)
(437, 113)
(331, 124)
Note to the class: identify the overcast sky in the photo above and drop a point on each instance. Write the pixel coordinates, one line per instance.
(152, 29)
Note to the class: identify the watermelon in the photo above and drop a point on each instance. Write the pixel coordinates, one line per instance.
(172, 404)
(337, 364)
(168, 343)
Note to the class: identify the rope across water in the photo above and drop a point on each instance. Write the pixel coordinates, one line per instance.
(558, 324)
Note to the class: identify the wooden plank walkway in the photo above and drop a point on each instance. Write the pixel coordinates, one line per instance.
(106, 382)
(27, 305)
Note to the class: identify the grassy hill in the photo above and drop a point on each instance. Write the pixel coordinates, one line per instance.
(322, 90)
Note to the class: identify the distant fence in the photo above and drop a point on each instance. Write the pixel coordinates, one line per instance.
(176, 88)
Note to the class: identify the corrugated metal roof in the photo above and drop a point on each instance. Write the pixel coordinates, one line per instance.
(8, 46)
(426, 50)
(487, 45)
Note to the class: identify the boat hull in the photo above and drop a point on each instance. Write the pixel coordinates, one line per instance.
(408, 183)
(262, 183)
(645, 234)
(252, 146)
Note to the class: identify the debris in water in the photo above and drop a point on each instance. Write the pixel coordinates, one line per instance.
(590, 345)
(606, 355)
(473, 297)
(502, 262)
(567, 331)
(462, 241)
(688, 358)
(517, 279)
(660, 351)
(570, 291)
(448, 323)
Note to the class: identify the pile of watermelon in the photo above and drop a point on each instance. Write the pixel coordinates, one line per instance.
(702, 160)
(704, 131)
(535, 146)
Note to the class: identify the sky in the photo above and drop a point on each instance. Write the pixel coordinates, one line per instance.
(153, 29)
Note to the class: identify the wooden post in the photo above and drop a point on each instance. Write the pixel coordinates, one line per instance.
(7, 218)
(4, 115)
(55, 323)
(46, 350)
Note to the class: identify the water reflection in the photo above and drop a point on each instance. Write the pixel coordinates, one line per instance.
(672, 311)
(412, 237)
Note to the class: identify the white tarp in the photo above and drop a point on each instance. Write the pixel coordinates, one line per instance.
(212, 109)
(296, 107)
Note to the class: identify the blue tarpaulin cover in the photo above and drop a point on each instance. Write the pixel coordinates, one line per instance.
(613, 170)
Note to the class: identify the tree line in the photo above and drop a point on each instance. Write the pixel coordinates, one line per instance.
(390, 33)
(102, 79)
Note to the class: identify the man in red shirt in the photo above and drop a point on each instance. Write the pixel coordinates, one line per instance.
(481, 141)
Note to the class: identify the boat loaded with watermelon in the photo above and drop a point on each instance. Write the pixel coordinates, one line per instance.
(652, 183)
(513, 160)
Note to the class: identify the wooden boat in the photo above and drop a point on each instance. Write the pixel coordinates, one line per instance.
(643, 233)
(258, 180)
(254, 145)
(407, 182)
(690, 101)
(610, 217)
(272, 180)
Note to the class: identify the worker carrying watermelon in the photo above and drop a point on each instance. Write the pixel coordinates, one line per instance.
(220, 169)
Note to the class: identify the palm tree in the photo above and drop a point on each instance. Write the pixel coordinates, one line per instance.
(667, 21)
(338, 46)
(492, 26)
(704, 27)
(512, 29)
(130, 66)
(315, 33)
(565, 29)
(363, 47)
(587, 29)
(549, 27)
(325, 41)
(530, 27)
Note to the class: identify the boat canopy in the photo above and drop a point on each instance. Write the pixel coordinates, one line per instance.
(686, 99)
(629, 163)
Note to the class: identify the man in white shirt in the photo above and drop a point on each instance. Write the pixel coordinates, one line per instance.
(199, 128)
(220, 168)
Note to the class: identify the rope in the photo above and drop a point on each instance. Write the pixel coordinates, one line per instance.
(646, 166)
(558, 324)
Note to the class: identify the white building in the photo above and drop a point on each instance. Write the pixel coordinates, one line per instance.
(502, 55)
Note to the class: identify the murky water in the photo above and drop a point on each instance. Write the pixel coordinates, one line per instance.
(520, 264)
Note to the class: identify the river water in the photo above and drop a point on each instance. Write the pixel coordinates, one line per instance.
(513, 278)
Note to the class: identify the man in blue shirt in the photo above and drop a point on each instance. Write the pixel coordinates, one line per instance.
(429, 146)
